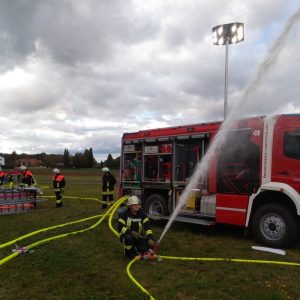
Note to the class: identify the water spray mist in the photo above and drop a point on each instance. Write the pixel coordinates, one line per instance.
(237, 111)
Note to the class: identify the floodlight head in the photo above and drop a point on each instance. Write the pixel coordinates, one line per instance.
(231, 33)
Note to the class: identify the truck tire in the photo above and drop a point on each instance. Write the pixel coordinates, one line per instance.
(274, 225)
(156, 205)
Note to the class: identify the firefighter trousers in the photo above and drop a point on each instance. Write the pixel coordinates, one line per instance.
(58, 195)
(134, 246)
(108, 198)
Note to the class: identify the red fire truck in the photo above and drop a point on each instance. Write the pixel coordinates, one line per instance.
(253, 178)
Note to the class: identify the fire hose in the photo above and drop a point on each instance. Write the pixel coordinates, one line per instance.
(236, 260)
(110, 212)
(31, 246)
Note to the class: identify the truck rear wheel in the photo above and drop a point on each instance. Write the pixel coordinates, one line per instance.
(156, 205)
(275, 226)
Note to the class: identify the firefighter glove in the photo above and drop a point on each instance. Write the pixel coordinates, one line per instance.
(151, 243)
(135, 234)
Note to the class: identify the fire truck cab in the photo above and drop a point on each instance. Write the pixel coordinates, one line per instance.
(252, 179)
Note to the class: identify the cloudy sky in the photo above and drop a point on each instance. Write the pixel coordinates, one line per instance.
(78, 74)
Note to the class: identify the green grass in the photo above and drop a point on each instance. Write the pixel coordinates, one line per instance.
(91, 265)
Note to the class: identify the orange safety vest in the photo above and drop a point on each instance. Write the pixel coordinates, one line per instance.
(57, 180)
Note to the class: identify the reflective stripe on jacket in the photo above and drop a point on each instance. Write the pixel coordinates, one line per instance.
(139, 223)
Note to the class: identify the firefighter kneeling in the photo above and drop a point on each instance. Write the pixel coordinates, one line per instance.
(135, 229)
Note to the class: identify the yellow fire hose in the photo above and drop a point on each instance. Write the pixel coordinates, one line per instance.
(53, 227)
(46, 229)
(111, 212)
(27, 248)
(70, 197)
(115, 207)
(95, 199)
(237, 260)
(132, 261)
(135, 281)
(60, 225)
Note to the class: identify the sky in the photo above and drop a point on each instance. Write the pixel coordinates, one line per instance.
(78, 74)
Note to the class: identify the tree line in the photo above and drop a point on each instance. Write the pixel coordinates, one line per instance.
(79, 160)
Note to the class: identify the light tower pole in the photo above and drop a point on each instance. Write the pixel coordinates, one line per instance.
(227, 34)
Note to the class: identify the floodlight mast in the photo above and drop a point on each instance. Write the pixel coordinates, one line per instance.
(224, 35)
(226, 81)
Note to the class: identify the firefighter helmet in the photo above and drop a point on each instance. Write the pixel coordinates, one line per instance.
(105, 169)
(23, 168)
(55, 170)
(133, 200)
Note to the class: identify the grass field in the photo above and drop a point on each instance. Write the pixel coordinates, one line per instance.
(91, 265)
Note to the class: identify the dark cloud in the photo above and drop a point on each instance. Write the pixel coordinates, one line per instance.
(77, 74)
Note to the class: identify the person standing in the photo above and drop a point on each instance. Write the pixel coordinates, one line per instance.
(134, 228)
(28, 181)
(59, 183)
(108, 186)
(27, 178)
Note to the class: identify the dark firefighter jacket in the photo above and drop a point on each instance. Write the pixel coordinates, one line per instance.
(108, 182)
(28, 179)
(139, 223)
(59, 181)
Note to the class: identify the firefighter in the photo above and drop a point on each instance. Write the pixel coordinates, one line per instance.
(28, 181)
(135, 229)
(27, 178)
(108, 183)
(59, 183)
(2, 176)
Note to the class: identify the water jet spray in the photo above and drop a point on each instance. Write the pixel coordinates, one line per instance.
(236, 112)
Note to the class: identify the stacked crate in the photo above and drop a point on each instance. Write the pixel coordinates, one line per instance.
(16, 200)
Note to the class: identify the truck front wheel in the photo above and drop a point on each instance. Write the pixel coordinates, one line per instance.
(156, 205)
(275, 226)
